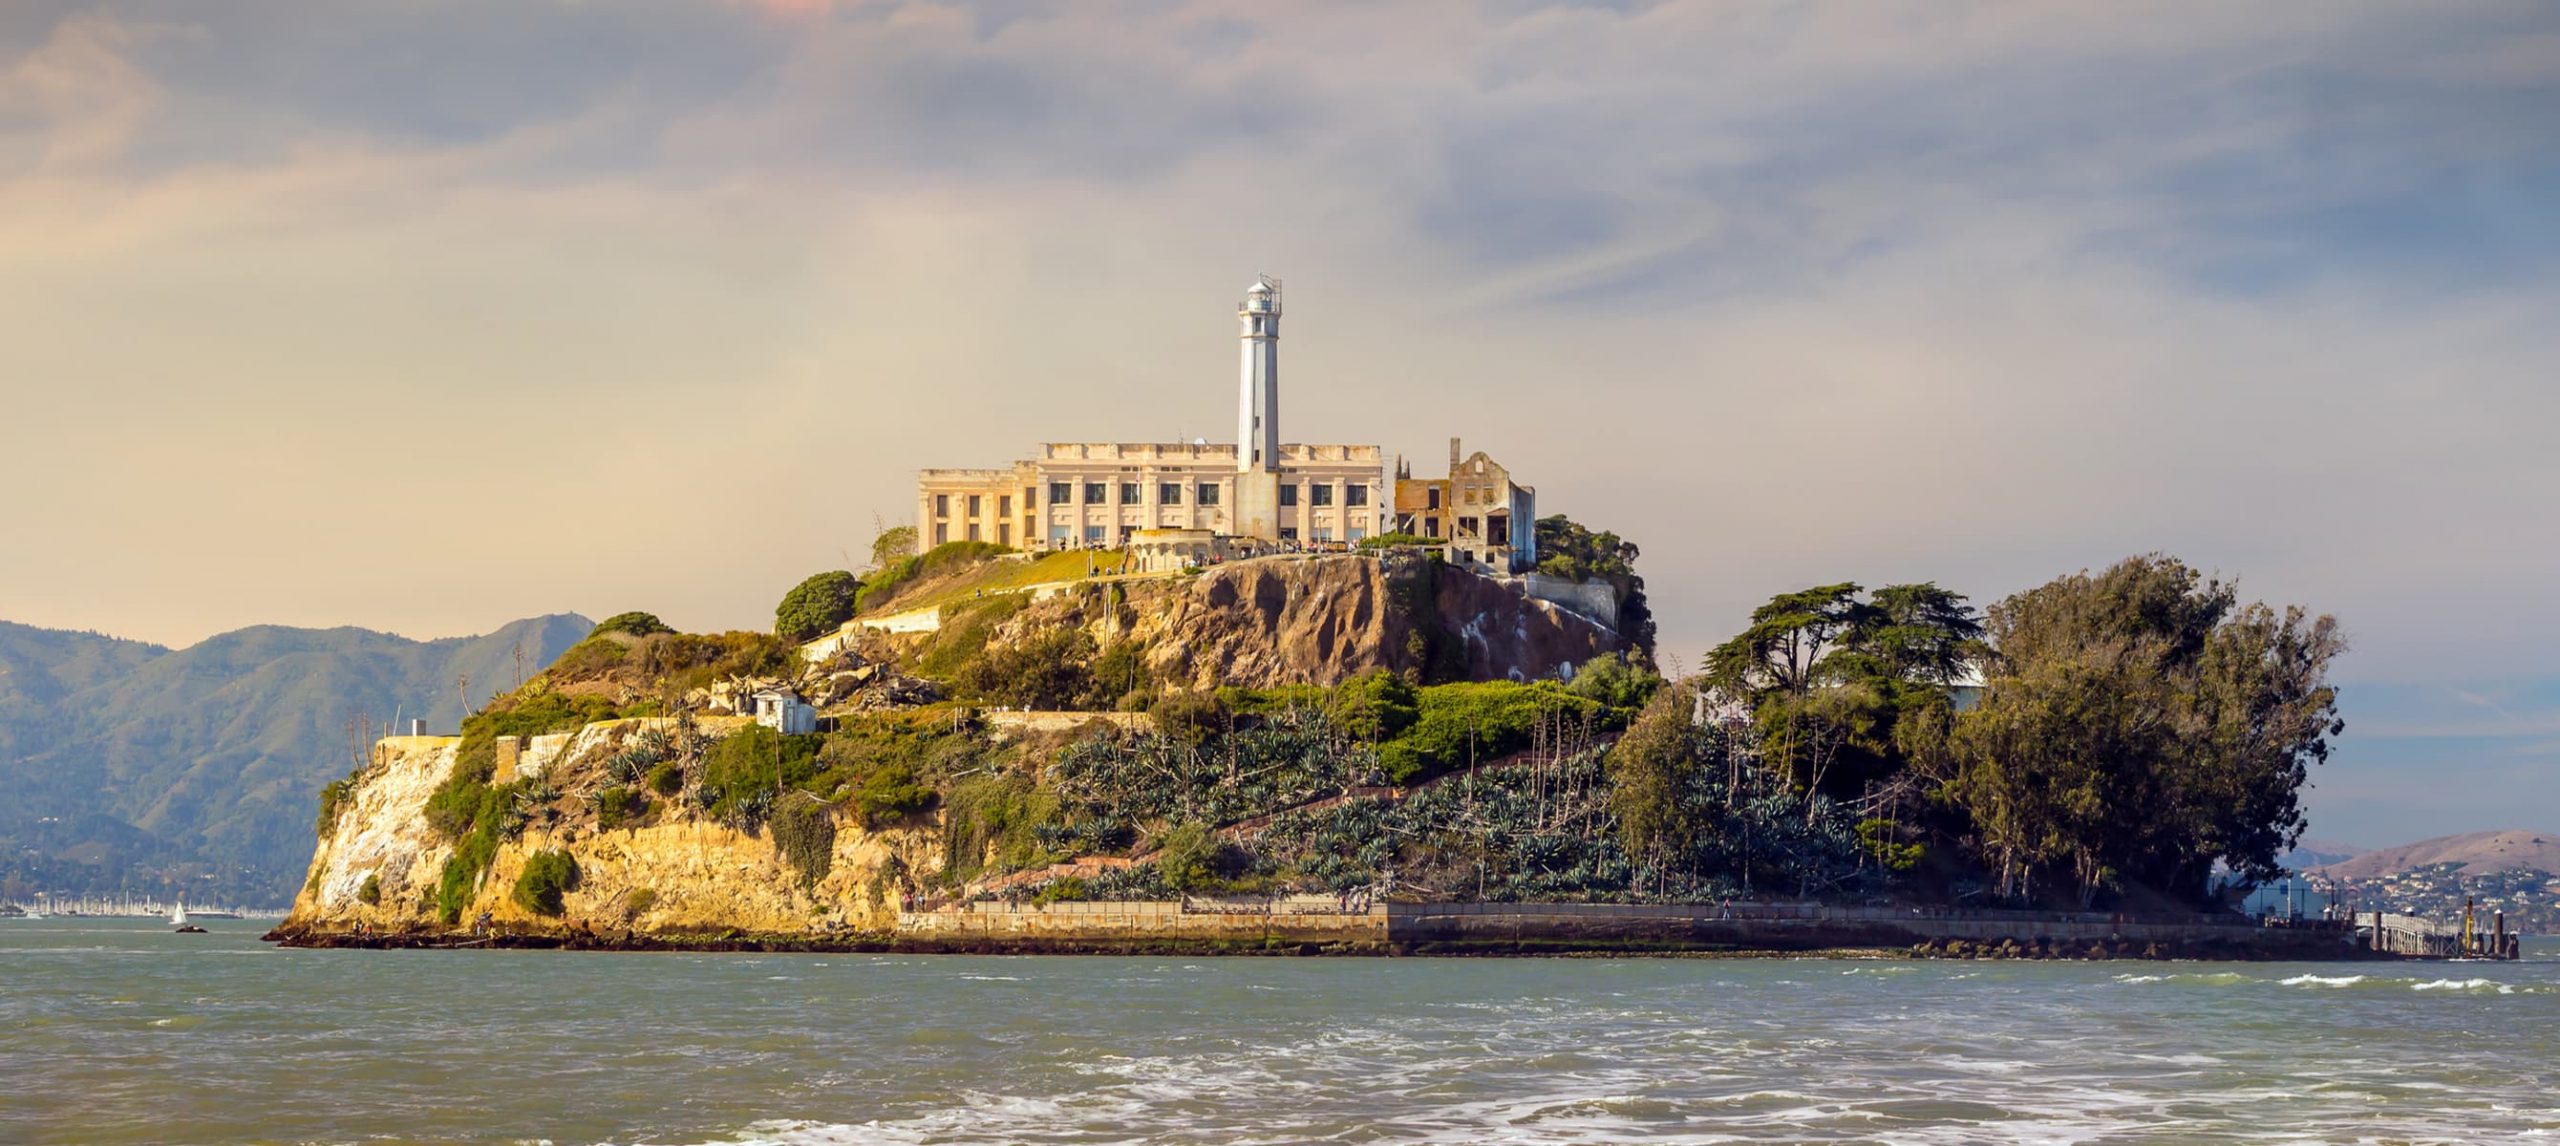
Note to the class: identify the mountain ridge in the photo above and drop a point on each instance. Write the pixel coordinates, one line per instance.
(2506, 849)
(210, 754)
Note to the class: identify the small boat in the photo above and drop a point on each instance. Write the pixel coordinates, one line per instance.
(178, 920)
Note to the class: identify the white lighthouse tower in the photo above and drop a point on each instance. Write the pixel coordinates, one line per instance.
(1258, 412)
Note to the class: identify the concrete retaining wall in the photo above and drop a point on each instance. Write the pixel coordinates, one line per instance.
(1744, 927)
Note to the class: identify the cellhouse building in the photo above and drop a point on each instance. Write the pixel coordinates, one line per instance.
(1189, 502)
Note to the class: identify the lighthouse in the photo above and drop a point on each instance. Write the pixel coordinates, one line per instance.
(1258, 396)
(1258, 413)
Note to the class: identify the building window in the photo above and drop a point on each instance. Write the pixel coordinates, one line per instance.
(973, 531)
(1355, 495)
(1096, 492)
(941, 532)
(1466, 525)
(1356, 532)
(1169, 492)
(977, 505)
(942, 505)
(1004, 505)
(1128, 493)
(1289, 495)
(1497, 530)
(1323, 533)
(1434, 492)
(1058, 536)
(1061, 493)
(1431, 527)
(1208, 494)
(1320, 495)
(1287, 534)
(1030, 497)
(1093, 535)
(1004, 533)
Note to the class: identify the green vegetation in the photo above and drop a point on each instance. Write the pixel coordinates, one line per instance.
(548, 876)
(638, 903)
(1192, 859)
(995, 820)
(816, 606)
(1568, 550)
(635, 624)
(2138, 726)
(892, 545)
(940, 561)
(371, 893)
(804, 831)
(745, 772)
(1833, 678)
(1460, 725)
(1394, 540)
(333, 799)
(890, 795)
(618, 807)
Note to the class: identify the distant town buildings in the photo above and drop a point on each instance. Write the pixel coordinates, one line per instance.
(1196, 502)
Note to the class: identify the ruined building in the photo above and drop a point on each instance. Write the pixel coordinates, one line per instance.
(1185, 502)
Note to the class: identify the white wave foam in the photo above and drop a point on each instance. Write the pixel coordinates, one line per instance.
(2464, 985)
(2322, 981)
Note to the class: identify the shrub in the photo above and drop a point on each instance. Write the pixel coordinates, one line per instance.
(638, 902)
(333, 799)
(1192, 858)
(635, 623)
(618, 806)
(1376, 705)
(371, 893)
(968, 630)
(1064, 889)
(1188, 718)
(1391, 540)
(1462, 724)
(814, 607)
(1048, 670)
(742, 771)
(547, 876)
(666, 778)
(1612, 681)
(588, 659)
(890, 795)
(995, 819)
(804, 831)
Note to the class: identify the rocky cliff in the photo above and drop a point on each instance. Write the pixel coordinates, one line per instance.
(1314, 620)
(675, 871)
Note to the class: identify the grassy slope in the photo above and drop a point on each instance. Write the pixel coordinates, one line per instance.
(992, 576)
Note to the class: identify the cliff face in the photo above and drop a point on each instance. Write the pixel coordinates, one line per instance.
(677, 873)
(1322, 620)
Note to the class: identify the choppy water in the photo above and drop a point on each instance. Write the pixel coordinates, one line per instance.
(114, 1032)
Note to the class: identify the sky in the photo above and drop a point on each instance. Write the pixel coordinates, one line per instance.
(424, 316)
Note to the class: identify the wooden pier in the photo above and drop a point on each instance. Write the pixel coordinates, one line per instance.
(2412, 937)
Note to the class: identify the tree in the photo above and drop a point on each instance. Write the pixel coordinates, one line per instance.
(892, 545)
(1569, 551)
(1830, 674)
(2139, 725)
(814, 607)
(635, 624)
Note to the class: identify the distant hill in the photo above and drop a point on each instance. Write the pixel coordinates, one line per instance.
(2478, 852)
(2315, 853)
(131, 767)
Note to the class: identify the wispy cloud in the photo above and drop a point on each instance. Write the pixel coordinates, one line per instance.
(346, 303)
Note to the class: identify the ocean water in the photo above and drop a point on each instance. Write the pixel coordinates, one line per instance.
(119, 1032)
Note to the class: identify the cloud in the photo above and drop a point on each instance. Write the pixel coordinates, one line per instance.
(427, 316)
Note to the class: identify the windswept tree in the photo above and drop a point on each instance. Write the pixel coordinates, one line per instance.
(1830, 673)
(2138, 726)
(815, 606)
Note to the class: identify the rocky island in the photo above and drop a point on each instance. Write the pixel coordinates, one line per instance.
(1372, 751)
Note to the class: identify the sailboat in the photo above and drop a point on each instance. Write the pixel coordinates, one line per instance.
(178, 920)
